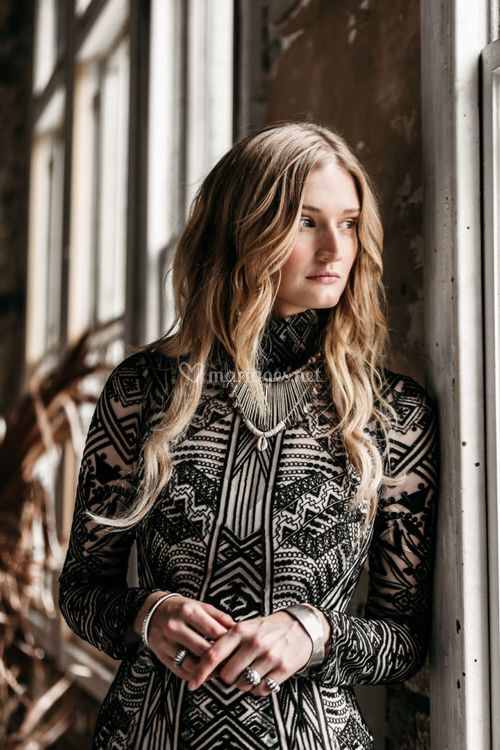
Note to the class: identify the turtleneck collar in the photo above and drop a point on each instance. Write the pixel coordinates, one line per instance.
(287, 343)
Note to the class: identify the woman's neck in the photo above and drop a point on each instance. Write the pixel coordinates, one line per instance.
(286, 342)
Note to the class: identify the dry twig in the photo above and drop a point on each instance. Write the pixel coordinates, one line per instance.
(45, 418)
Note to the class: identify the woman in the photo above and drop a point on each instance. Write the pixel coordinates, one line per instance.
(258, 456)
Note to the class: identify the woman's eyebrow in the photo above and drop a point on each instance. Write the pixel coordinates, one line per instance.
(345, 211)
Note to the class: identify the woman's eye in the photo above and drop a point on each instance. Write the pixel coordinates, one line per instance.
(351, 222)
(306, 223)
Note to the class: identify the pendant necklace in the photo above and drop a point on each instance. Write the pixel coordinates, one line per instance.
(285, 395)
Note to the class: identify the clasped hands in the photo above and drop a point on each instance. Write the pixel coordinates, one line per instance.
(276, 645)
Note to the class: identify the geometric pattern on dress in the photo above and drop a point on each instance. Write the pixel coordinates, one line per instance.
(237, 577)
(121, 709)
(303, 716)
(316, 520)
(354, 736)
(251, 532)
(227, 733)
(245, 502)
(252, 715)
(287, 345)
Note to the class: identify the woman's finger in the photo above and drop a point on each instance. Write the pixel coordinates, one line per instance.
(182, 635)
(244, 656)
(166, 653)
(220, 616)
(262, 660)
(205, 622)
(266, 669)
(185, 669)
(184, 621)
(263, 689)
(215, 655)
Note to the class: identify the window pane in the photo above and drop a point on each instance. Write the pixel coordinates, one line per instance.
(81, 6)
(45, 42)
(82, 237)
(165, 188)
(190, 127)
(55, 169)
(112, 188)
(45, 246)
(210, 86)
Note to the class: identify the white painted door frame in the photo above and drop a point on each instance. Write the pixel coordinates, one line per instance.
(453, 33)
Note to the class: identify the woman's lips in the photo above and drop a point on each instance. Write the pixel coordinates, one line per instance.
(323, 279)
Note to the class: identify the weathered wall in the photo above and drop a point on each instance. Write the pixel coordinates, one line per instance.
(355, 66)
(16, 28)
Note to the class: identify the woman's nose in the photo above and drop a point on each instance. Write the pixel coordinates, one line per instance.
(329, 242)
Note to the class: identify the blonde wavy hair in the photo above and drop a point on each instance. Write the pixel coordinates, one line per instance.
(226, 274)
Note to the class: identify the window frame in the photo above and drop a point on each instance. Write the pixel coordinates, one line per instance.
(490, 62)
(453, 36)
(80, 37)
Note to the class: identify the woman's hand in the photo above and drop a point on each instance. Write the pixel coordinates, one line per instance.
(181, 622)
(276, 646)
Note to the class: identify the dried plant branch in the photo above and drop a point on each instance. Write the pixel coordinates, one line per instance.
(45, 418)
(37, 710)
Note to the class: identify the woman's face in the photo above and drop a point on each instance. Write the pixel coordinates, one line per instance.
(316, 273)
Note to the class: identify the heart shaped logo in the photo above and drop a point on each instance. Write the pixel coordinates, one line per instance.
(190, 371)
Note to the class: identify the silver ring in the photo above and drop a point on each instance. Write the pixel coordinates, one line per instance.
(180, 656)
(272, 684)
(252, 677)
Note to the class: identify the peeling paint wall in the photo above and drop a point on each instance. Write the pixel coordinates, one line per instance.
(355, 66)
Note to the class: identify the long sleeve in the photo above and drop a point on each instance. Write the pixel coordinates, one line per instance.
(389, 643)
(94, 597)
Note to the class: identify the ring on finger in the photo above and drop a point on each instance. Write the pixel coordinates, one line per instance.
(180, 656)
(272, 684)
(252, 676)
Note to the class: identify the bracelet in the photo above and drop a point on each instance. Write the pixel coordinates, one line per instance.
(149, 614)
(313, 626)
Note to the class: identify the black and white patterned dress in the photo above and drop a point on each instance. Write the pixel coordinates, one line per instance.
(250, 532)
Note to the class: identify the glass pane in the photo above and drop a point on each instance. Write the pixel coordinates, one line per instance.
(210, 87)
(45, 43)
(190, 127)
(45, 246)
(82, 224)
(55, 169)
(81, 6)
(112, 187)
(165, 184)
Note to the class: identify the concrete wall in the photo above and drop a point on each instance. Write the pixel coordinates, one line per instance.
(355, 65)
